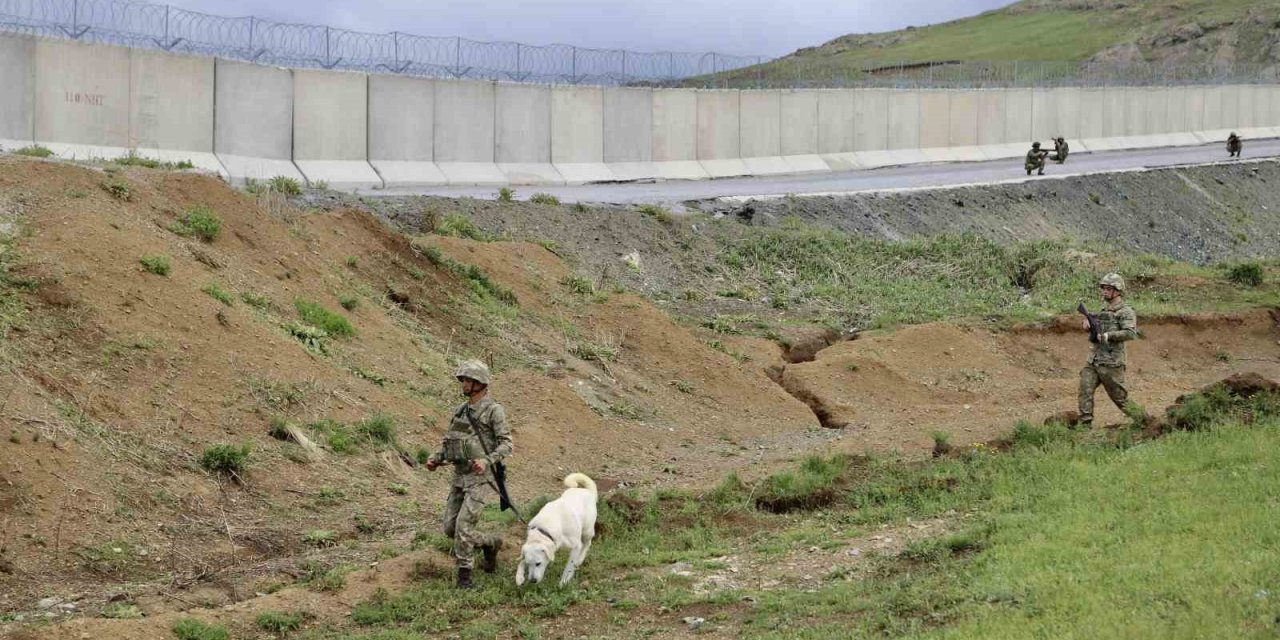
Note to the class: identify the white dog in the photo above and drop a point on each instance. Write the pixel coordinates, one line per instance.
(568, 521)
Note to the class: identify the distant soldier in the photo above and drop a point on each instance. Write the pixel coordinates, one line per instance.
(1234, 145)
(1114, 325)
(479, 417)
(1035, 158)
(1060, 150)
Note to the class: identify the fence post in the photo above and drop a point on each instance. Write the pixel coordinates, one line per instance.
(624, 67)
(671, 65)
(573, 69)
(457, 56)
(519, 77)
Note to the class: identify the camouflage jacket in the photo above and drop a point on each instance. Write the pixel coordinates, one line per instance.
(1119, 324)
(491, 419)
(1035, 158)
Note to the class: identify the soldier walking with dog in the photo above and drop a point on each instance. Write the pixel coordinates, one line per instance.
(1109, 330)
(476, 443)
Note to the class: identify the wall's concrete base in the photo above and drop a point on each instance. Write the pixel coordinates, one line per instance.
(766, 166)
(84, 151)
(584, 172)
(402, 173)
(342, 175)
(531, 173)
(726, 168)
(681, 170)
(808, 163)
(14, 145)
(200, 160)
(634, 171)
(241, 168)
(874, 159)
(477, 173)
(841, 161)
(1004, 151)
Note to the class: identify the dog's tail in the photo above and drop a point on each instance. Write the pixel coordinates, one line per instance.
(580, 481)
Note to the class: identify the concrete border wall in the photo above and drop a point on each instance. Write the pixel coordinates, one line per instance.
(82, 99)
(17, 101)
(800, 131)
(760, 132)
(522, 134)
(675, 134)
(402, 131)
(253, 121)
(836, 131)
(171, 108)
(719, 133)
(331, 129)
(577, 134)
(628, 133)
(464, 132)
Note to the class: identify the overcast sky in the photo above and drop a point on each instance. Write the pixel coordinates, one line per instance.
(742, 27)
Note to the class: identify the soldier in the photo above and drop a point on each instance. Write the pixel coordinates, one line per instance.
(478, 417)
(1234, 145)
(1035, 158)
(1060, 150)
(1117, 324)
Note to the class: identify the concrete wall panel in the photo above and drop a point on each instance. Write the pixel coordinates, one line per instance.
(331, 128)
(402, 131)
(1231, 108)
(871, 119)
(800, 122)
(1044, 115)
(1157, 119)
(991, 117)
(760, 122)
(964, 118)
(1213, 116)
(628, 133)
(835, 121)
(1018, 116)
(1092, 113)
(935, 119)
(719, 141)
(522, 124)
(904, 120)
(577, 134)
(464, 132)
(253, 120)
(17, 100)
(675, 134)
(1066, 101)
(82, 98)
(170, 102)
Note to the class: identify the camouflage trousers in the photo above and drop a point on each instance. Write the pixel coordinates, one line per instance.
(1111, 379)
(462, 521)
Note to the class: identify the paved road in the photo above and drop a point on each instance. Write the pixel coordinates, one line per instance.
(889, 178)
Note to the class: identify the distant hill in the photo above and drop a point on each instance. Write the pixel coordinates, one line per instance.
(1182, 32)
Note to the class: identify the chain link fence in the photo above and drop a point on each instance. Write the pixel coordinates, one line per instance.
(153, 26)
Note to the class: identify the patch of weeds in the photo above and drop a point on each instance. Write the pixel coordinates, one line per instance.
(34, 151)
(338, 436)
(588, 350)
(332, 580)
(812, 486)
(225, 459)
(118, 189)
(192, 629)
(280, 622)
(157, 264)
(375, 378)
(736, 355)
(320, 538)
(122, 611)
(691, 295)
(683, 386)
(657, 212)
(379, 428)
(941, 444)
(320, 185)
(629, 410)
(218, 294)
(353, 262)
(285, 185)
(579, 285)
(1222, 355)
(321, 318)
(256, 300)
(278, 428)
(544, 198)
(506, 194)
(278, 395)
(399, 489)
(135, 160)
(349, 302)
(199, 222)
(460, 226)
(254, 187)
(112, 558)
(1247, 274)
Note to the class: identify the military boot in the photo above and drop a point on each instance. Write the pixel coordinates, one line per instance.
(489, 563)
(464, 579)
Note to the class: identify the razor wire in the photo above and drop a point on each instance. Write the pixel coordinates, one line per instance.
(154, 26)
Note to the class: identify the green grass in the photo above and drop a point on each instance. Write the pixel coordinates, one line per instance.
(460, 226)
(323, 319)
(380, 428)
(135, 160)
(870, 283)
(225, 458)
(544, 198)
(192, 629)
(486, 291)
(157, 264)
(200, 222)
(34, 151)
(285, 185)
(217, 293)
(279, 622)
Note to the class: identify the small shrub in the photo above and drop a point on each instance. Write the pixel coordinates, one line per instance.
(225, 458)
(199, 222)
(254, 187)
(353, 262)
(579, 285)
(279, 622)
(323, 319)
(34, 151)
(1248, 274)
(580, 207)
(285, 185)
(336, 435)
(332, 580)
(319, 538)
(218, 294)
(812, 486)
(279, 428)
(122, 611)
(192, 629)
(941, 444)
(118, 190)
(506, 194)
(256, 300)
(656, 212)
(378, 428)
(683, 386)
(322, 185)
(588, 350)
(544, 198)
(349, 302)
(460, 226)
(159, 265)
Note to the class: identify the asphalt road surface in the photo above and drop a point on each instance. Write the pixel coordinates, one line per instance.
(884, 179)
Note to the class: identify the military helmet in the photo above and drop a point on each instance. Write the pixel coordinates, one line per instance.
(1035, 145)
(473, 370)
(1112, 280)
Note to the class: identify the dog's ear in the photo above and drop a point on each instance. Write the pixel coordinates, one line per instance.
(520, 573)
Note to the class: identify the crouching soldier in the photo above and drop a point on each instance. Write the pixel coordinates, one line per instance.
(1035, 159)
(1234, 145)
(478, 437)
(1113, 326)
(1060, 150)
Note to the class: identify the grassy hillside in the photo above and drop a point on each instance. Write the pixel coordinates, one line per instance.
(1119, 31)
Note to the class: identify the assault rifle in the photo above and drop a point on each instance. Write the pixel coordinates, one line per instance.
(1094, 329)
(499, 469)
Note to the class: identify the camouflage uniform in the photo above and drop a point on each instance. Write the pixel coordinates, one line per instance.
(1234, 145)
(1060, 150)
(470, 490)
(1117, 324)
(1035, 159)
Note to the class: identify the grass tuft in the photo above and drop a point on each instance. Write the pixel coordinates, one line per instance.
(192, 629)
(319, 317)
(157, 264)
